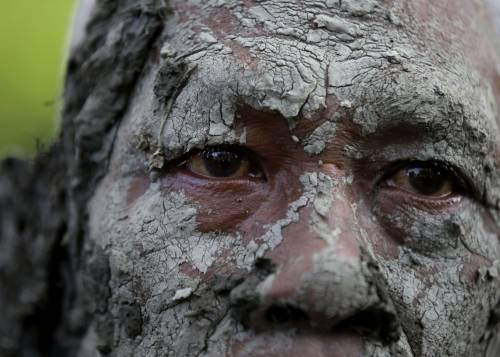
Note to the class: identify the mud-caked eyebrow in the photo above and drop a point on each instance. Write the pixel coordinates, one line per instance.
(416, 125)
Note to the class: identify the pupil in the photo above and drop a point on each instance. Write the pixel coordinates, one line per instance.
(221, 162)
(426, 180)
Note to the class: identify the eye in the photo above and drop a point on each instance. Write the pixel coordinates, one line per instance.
(229, 162)
(430, 179)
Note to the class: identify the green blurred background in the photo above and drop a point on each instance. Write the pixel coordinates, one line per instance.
(33, 41)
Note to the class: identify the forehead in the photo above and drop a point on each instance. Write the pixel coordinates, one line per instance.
(442, 30)
(297, 58)
(336, 37)
(290, 56)
(448, 25)
(461, 25)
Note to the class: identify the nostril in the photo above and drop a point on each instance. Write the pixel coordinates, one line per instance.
(283, 315)
(374, 323)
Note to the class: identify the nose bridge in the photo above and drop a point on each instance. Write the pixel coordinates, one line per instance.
(332, 213)
(321, 249)
(321, 272)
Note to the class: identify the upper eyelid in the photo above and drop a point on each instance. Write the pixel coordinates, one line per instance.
(254, 158)
(459, 176)
(424, 136)
(465, 182)
(388, 154)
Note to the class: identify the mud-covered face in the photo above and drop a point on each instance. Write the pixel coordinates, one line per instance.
(304, 177)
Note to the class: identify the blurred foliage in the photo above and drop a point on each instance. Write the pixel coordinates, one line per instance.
(33, 37)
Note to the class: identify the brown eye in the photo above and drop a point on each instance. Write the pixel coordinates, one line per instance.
(427, 178)
(223, 162)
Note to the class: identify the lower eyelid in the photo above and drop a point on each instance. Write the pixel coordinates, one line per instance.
(250, 166)
(408, 189)
(215, 180)
(428, 204)
(461, 182)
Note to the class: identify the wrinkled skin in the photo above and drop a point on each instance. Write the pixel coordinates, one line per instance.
(319, 256)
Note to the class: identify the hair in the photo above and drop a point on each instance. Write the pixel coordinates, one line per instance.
(43, 204)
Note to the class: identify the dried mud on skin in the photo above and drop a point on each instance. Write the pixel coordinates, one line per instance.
(102, 271)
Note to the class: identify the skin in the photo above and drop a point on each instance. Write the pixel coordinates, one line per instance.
(326, 254)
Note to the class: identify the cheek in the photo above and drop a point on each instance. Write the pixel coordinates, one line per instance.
(473, 267)
(434, 297)
(383, 245)
(137, 187)
(154, 235)
(433, 229)
(240, 206)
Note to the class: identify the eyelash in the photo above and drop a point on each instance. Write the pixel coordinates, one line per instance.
(254, 159)
(463, 184)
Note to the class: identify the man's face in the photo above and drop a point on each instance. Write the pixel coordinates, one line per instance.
(326, 184)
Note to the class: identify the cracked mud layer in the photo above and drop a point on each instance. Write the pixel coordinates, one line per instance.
(321, 247)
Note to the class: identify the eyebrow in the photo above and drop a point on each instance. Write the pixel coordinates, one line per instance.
(426, 124)
(409, 115)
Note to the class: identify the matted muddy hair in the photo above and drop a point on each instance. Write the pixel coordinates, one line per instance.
(101, 74)
(42, 224)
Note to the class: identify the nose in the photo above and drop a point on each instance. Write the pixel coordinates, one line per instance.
(319, 277)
